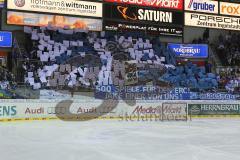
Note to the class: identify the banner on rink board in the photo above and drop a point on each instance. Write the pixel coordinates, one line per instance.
(47, 110)
(70, 7)
(207, 6)
(170, 4)
(214, 109)
(34, 19)
(24, 110)
(177, 110)
(212, 21)
(232, 9)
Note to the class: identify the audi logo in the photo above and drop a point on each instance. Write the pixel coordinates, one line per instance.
(58, 110)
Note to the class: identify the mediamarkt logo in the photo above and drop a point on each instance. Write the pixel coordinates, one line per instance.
(201, 5)
(19, 3)
(176, 4)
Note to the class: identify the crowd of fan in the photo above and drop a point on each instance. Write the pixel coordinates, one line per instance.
(76, 58)
(63, 58)
(7, 80)
(229, 79)
(228, 49)
(193, 77)
(204, 39)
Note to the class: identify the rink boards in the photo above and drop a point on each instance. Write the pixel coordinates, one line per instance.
(83, 110)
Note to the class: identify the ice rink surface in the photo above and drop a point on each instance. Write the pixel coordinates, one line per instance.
(115, 140)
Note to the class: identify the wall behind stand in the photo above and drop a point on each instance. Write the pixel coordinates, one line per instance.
(4, 25)
(191, 33)
(171, 39)
(214, 34)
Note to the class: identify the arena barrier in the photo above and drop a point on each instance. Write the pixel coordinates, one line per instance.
(83, 110)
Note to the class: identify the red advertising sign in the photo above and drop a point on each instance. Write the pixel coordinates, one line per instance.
(170, 4)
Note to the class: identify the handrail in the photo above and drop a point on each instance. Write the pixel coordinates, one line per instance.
(229, 67)
(29, 60)
(17, 45)
(214, 55)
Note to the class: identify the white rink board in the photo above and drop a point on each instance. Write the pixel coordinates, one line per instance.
(11, 110)
(23, 109)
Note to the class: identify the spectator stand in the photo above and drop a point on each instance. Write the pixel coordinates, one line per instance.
(70, 53)
(229, 78)
(7, 84)
(228, 50)
(64, 59)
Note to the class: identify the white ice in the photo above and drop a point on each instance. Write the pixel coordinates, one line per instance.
(114, 140)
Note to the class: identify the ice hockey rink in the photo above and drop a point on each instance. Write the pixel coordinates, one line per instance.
(117, 140)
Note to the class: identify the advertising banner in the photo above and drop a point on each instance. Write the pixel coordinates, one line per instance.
(8, 110)
(2, 3)
(45, 109)
(22, 110)
(212, 21)
(207, 6)
(5, 39)
(189, 50)
(142, 15)
(34, 19)
(149, 29)
(230, 8)
(177, 111)
(157, 93)
(142, 93)
(131, 75)
(25, 110)
(170, 4)
(214, 109)
(70, 7)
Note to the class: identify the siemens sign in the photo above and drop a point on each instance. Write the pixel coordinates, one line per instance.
(189, 50)
(5, 39)
(8, 111)
(207, 6)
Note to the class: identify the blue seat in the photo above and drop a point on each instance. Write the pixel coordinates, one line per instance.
(211, 75)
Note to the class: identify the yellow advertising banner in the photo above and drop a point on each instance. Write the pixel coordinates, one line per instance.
(1, 3)
(232, 9)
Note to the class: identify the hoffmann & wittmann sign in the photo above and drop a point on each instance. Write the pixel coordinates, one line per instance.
(70, 7)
